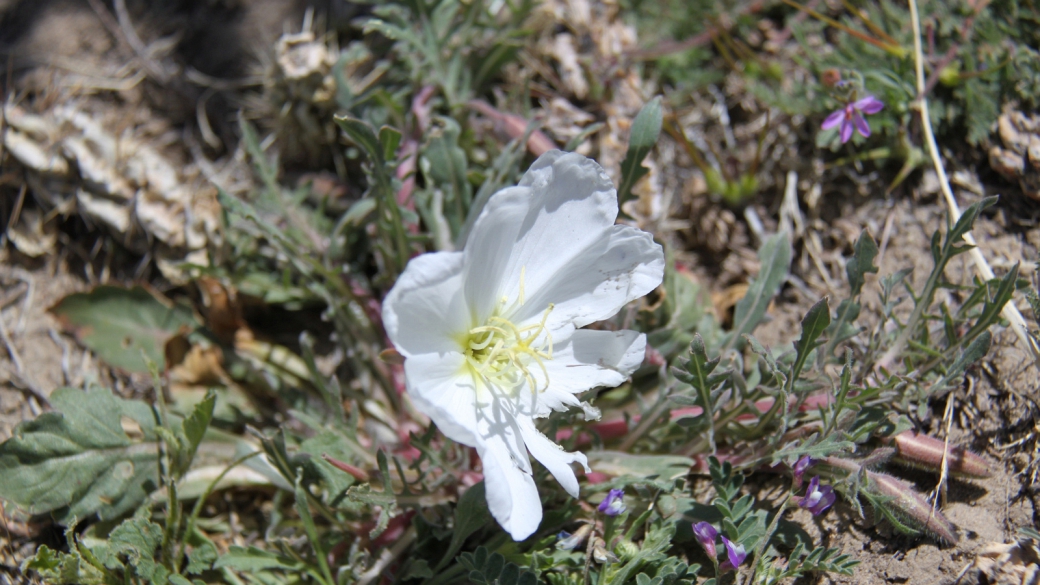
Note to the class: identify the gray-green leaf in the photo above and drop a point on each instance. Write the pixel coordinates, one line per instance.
(78, 460)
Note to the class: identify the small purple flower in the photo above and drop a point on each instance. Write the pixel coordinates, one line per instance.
(614, 503)
(706, 535)
(800, 467)
(818, 498)
(851, 116)
(735, 554)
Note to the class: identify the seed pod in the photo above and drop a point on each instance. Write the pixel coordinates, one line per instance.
(920, 450)
(911, 505)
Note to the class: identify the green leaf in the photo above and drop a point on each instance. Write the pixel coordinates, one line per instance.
(390, 138)
(193, 429)
(967, 219)
(975, 351)
(619, 463)
(471, 514)
(303, 509)
(136, 540)
(645, 130)
(361, 133)
(775, 259)
(58, 568)
(862, 262)
(118, 324)
(78, 460)
(813, 325)
(253, 559)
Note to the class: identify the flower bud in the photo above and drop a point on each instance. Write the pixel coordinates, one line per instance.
(626, 549)
(706, 535)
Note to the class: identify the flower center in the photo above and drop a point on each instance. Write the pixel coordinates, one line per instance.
(503, 354)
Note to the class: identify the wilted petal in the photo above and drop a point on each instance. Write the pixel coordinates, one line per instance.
(868, 105)
(861, 124)
(833, 119)
(846, 131)
(426, 306)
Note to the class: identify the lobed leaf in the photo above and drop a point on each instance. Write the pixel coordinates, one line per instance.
(78, 460)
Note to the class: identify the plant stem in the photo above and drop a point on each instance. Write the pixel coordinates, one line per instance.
(1011, 312)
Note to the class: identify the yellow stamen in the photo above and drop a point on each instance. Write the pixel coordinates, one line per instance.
(499, 353)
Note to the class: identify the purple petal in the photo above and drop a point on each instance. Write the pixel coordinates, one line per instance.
(706, 535)
(826, 500)
(800, 467)
(861, 124)
(833, 119)
(869, 105)
(846, 131)
(735, 553)
(614, 503)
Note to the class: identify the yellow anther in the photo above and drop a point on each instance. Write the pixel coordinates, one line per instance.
(499, 353)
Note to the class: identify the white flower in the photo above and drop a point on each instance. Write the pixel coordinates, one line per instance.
(490, 334)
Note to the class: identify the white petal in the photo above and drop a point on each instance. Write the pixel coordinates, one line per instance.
(441, 388)
(623, 264)
(425, 311)
(511, 494)
(553, 457)
(489, 249)
(589, 359)
(564, 203)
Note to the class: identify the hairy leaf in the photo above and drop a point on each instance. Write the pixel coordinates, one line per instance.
(775, 259)
(78, 460)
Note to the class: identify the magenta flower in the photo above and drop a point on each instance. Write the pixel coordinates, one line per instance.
(852, 116)
(706, 535)
(818, 498)
(735, 554)
(613, 504)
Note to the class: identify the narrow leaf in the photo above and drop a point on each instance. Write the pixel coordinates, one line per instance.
(645, 129)
(775, 259)
(862, 262)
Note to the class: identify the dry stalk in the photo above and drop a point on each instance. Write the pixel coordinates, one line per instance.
(1010, 312)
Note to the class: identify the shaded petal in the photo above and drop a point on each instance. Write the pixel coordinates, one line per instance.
(833, 119)
(622, 264)
(589, 359)
(425, 309)
(846, 131)
(869, 105)
(441, 388)
(511, 494)
(553, 457)
(563, 204)
(861, 124)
